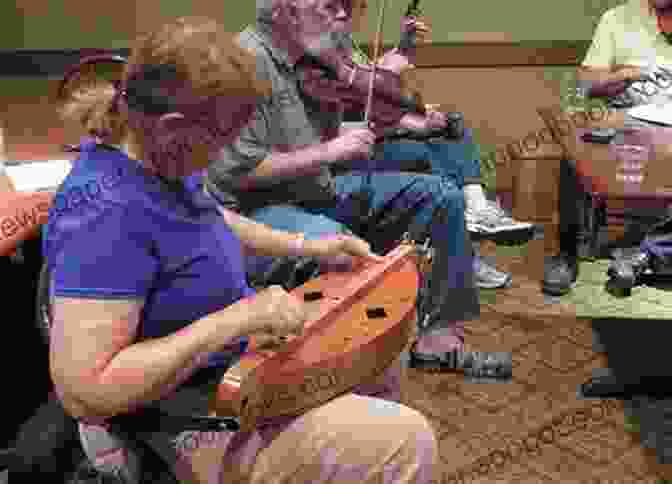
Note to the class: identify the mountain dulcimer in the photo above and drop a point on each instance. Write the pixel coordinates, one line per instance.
(360, 322)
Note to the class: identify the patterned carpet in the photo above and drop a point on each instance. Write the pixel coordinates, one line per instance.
(535, 429)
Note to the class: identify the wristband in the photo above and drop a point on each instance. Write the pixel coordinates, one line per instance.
(297, 245)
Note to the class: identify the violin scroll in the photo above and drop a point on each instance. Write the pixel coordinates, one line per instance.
(409, 37)
(413, 9)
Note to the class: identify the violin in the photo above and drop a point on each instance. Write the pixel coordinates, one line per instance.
(332, 76)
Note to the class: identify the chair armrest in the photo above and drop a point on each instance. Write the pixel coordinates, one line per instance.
(6, 457)
(153, 419)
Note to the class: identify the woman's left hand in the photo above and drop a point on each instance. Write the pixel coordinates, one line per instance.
(341, 252)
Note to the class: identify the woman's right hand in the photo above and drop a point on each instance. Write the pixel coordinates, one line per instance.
(280, 313)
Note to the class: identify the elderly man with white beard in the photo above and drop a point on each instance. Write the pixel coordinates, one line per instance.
(278, 172)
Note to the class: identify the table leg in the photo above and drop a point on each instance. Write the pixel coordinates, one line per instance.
(595, 219)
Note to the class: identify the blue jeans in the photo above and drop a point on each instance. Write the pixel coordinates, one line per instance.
(459, 161)
(440, 211)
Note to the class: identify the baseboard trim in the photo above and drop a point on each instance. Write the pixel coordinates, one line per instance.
(54, 62)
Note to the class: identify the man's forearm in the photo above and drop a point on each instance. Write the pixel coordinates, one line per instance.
(279, 167)
(606, 82)
(602, 75)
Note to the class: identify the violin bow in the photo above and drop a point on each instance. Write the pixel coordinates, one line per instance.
(377, 42)
(367, 193)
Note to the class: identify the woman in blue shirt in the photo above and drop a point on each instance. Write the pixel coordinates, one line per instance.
(148, 279)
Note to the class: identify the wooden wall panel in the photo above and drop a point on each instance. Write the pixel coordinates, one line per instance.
(77, 23)
(499, 102)
(32, 128)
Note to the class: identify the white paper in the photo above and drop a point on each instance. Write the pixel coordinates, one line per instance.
(653, 113)
(39, 175)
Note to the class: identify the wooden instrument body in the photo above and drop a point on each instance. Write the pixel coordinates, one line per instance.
(21, 215)
(359, 327)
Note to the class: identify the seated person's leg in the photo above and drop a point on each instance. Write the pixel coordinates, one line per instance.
(459, 161)
(448, 161)
(562, 270)
(439, 213)
(485, 218)
(351, 439)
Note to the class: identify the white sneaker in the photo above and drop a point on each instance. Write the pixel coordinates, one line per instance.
(493, 222)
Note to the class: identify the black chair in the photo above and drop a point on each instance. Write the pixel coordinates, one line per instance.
(21, 271)
(155, 469)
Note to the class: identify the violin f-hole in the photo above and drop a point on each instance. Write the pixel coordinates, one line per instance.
(373, 313)
(313, 296)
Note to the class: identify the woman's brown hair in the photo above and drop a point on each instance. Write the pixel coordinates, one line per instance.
(203, 54)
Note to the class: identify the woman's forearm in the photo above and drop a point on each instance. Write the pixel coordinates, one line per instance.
(264, 240)
(149, 370)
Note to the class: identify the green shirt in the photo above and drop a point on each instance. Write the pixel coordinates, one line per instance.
(628, 35)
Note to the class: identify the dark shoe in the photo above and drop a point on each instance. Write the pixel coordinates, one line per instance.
(625, 273)
(560, 274)
(607, 386)
(474, 364)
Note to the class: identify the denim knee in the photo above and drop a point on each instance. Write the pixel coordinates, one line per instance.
(449, 197)
(445, 197)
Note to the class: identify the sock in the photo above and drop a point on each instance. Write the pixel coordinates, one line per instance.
(443, 340)
(475, 197)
